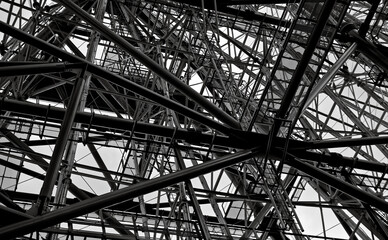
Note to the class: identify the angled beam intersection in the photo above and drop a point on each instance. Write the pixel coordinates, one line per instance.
(103, 73)
(297, 148)
(152, 65)
(93, 204)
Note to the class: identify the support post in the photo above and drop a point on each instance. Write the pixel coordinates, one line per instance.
(63, 136)
(202, 223)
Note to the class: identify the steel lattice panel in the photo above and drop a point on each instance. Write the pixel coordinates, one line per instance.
(193, 119)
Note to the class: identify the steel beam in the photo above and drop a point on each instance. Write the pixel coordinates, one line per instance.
(102, 166)
(105, 74)
(190, 191)
(60, 145)
(378, 224)
(21, 169)
(4, 199)
(57, 114)
(337, 160)
(246, 14)
(24, 148)
(328, 76)
(151, 64)
(12, 215)
(44, 165)
(360, 124)
(364, 28)
(343, 216)
(40, 68)
(346, 142)
(84, 234)
(256, 222)
(339, 184)
(297, 148)
(108, 199)
(368, 49)
(303, 64)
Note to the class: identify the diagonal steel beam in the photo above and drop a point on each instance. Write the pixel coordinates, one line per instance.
(108, 199)
(369, 49)
(102, 166)
(44, 165)
(303, 64)
(328, 76)
(202, 222)
(13, 216)
(4, 199)
(57, 114)
(151, 64)
(24, 148)
(221, 6)
(339, 184)
(105, 74)
(297, 148)
(357, 122)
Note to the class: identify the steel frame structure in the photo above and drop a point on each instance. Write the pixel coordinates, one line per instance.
(193, 119)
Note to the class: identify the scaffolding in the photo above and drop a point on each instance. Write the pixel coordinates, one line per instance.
(195, 119)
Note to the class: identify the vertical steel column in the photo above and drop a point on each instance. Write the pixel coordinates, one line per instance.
(64, 178)
(197, 208)
(203, 228)
(63, 136)
(143, 211)
(64, 184)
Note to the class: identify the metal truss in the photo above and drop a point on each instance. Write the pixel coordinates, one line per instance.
(193, 119)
